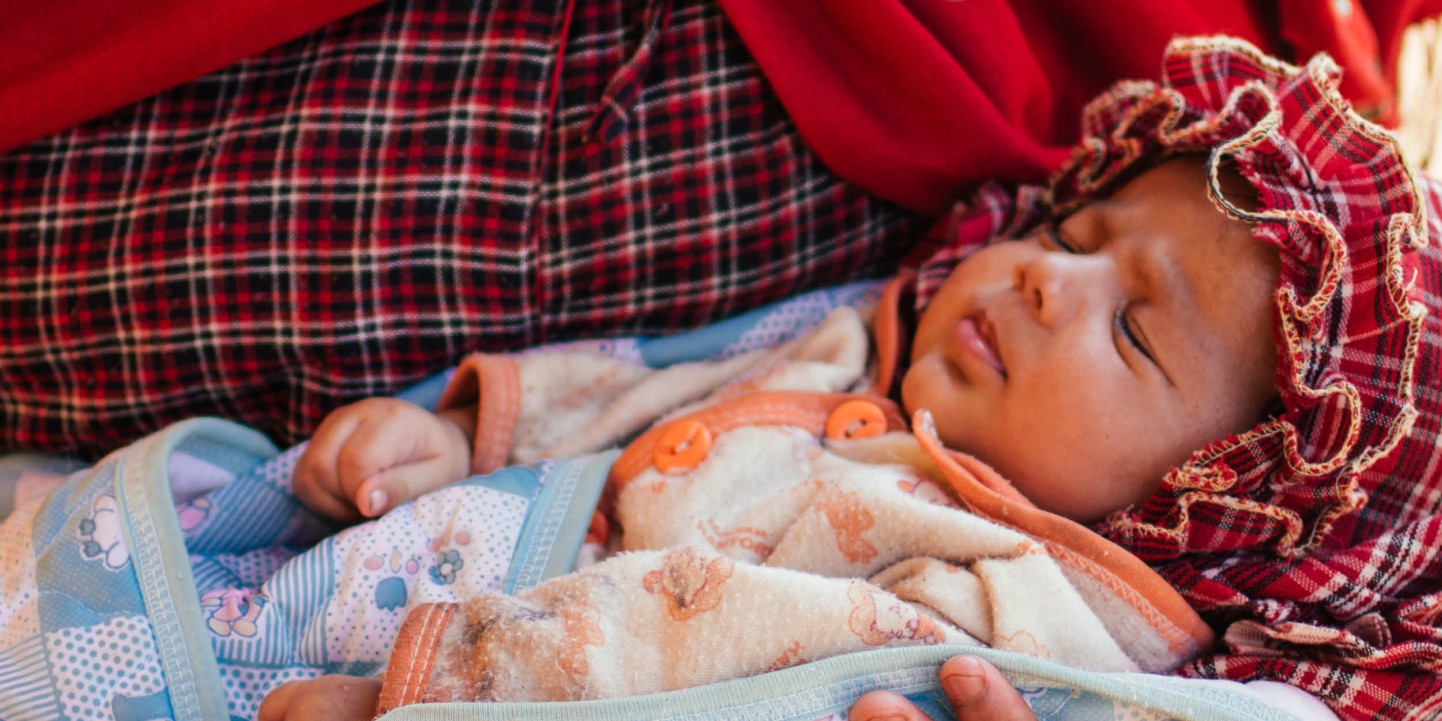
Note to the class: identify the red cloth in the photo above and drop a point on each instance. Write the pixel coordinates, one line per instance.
(915, 100)
(64, 61)
(351, 213)
(918, 100)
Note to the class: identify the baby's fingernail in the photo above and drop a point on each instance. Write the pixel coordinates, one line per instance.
(377, 502)
(964, 680)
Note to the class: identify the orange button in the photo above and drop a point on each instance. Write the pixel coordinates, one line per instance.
(855, 419)
(682, 446)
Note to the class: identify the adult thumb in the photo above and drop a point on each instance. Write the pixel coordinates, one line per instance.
(978, 691)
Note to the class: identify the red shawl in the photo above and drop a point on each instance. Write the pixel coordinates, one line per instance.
(918, 100)
(915, 100)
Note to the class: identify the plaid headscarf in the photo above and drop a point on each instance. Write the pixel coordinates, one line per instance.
(1313, 542)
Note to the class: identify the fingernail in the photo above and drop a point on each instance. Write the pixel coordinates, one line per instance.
(964, 681)
(377, 501)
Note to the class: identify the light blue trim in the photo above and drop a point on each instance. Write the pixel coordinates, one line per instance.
(832, 685)
(520, 481)
(710, 340)
(558, 519)
(162, 565)
(427, 393)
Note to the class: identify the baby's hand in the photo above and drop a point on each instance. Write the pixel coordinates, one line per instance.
(327, 698)
(369, 456)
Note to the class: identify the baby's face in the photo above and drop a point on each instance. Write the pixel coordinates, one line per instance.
(1084, 361)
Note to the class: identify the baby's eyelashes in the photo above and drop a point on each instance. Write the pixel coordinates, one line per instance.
(1053, 238)
(1132, 332)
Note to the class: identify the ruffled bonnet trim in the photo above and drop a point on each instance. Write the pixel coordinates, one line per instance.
(1335, 196)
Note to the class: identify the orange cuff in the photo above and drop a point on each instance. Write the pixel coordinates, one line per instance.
(414, 656)
(493, 383)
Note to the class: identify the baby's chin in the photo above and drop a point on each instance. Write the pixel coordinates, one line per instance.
(909, 392)
(924, 378)
(913, 398)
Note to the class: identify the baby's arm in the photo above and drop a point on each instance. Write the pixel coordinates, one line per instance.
(369, 456)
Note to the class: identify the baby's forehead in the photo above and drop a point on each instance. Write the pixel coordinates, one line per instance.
(1171, 205)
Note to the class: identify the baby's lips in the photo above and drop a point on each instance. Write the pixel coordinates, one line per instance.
(972, 337)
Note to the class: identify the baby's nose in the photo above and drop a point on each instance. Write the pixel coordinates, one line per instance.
(1055, 286)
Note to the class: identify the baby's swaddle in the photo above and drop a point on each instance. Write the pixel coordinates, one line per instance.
(783, 545)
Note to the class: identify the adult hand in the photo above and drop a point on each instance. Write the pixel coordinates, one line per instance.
(976, 689)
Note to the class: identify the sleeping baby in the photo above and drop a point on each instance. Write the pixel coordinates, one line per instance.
(1097, 423)
(757, 512)
(1110, 376)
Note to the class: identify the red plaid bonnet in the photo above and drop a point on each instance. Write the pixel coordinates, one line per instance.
(1313, 541)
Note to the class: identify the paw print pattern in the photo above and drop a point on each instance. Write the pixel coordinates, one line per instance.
(194, 513)
(448, 562)
(392, 592)
(232, 611)
(101, 535)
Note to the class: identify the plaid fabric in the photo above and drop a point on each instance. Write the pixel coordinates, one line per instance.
(360, 208)
(994, 211)
(1313, 542)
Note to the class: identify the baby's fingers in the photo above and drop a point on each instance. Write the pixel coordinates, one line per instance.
(386, 463)
(372, 455)
(316, 480)
(396, 485)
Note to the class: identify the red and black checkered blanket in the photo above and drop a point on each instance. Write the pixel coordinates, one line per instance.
(358, 209)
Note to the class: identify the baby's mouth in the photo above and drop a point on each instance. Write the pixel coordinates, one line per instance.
(975, 335)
